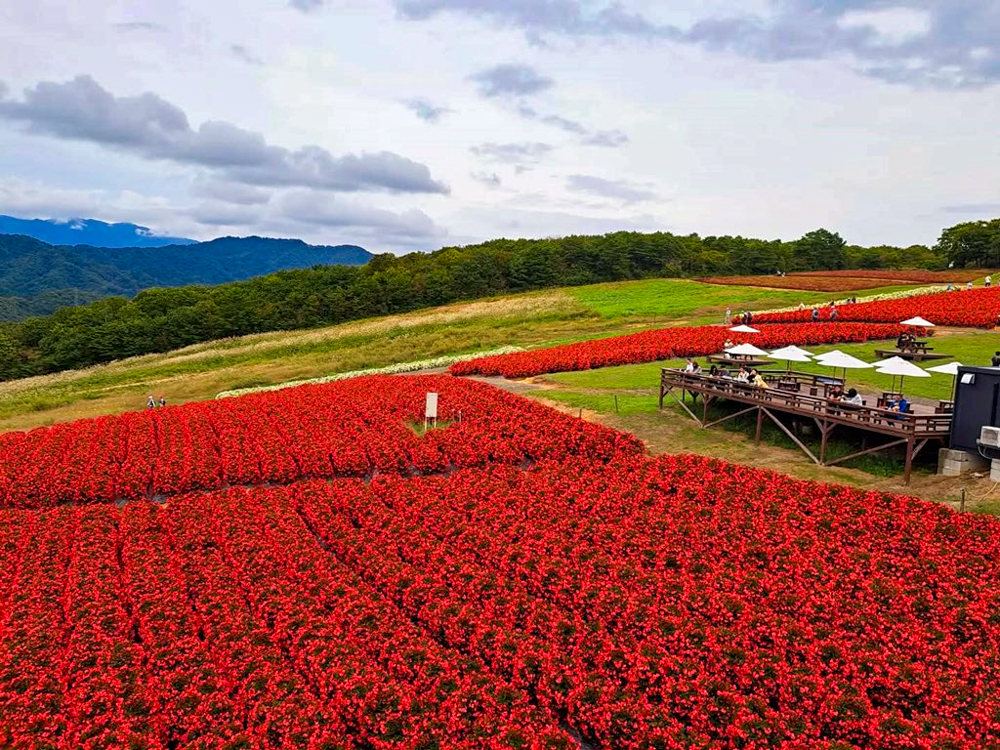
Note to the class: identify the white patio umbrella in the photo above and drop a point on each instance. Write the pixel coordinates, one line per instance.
(792, 354)
(949, 369)
(746, 350)
(897, 366)
(832, 353)
(743, 329)
(837, 360)
(917, 321)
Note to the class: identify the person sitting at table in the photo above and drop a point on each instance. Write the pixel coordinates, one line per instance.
(713, 372)
(743, 376)
(836, 393)
(697, 369)
(900, 405)
(853, 398)
(689, 367)
(756, 379)
(724, 373)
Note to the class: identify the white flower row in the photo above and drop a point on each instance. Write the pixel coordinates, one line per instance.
(902, 294)
(422, 364)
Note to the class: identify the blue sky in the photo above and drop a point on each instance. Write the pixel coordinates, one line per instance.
(410, 124)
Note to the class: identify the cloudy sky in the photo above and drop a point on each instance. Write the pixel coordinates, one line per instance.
(411, 124)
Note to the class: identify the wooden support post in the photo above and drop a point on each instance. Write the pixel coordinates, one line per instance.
(704, 411)
(760, 424)
(824, 430)
(909, 459)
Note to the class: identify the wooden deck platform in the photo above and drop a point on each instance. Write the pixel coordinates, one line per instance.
(804, 396)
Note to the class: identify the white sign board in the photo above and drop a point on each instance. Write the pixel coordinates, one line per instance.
(432, 406)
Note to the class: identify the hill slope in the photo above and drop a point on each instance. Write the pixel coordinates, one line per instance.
(87, 232)
(37, 278)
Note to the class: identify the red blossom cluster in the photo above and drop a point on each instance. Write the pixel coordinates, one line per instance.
(804, 283)
(666, 343)
(912, 276)
(675, 603)
(352, 428)
(976, 308)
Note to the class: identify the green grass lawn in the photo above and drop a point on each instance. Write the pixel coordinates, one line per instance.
(682, 299)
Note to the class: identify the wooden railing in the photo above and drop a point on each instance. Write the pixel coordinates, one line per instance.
(805, 404)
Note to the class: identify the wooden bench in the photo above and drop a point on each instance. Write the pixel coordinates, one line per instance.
(910, 355)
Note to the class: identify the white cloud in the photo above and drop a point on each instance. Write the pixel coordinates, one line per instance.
(892, 26)
(151, 127)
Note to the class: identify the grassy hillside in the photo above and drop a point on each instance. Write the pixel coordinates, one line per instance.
(535, 319)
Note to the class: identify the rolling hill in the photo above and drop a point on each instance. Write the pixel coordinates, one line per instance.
(37, 278)
(87, 232)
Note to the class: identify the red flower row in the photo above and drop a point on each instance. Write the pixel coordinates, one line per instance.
(666, 343)
(805, 283)
(352, 428)
(977, 308)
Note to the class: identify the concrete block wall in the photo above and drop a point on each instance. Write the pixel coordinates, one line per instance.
(955, 463)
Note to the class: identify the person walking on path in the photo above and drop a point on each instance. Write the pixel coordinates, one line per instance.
(163, 401)
(968, 286)
(815, 314)
(729, 316)
(150, 403)
(988, 281)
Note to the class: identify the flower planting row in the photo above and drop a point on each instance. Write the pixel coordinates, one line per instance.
(666, 343)
(803, 283)
(351, 428)
(976, 308)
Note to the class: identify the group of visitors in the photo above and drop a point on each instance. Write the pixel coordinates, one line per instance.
(152, 403)
(744, 318)
(851, 398)
(744, 374)
(906, 342)
(836, 395)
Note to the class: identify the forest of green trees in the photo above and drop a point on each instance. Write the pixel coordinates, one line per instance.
(158, 320)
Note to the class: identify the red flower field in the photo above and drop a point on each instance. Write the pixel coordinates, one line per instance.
(854, 279)
(914, 276)
(665, 343)
(519, 579)
(978, 308)
(805, 283)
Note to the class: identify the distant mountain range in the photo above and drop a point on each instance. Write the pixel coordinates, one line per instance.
(37, 277)
(87, 232)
